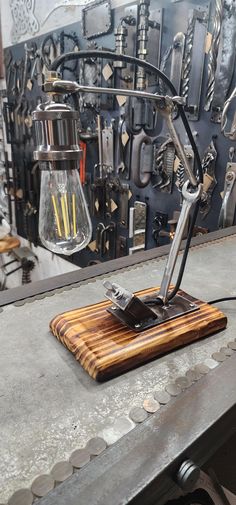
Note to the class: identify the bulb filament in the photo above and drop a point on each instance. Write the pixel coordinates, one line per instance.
(61, 213)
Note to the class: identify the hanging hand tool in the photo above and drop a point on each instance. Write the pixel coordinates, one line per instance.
(224, 76)
(162, 176)
(108, 241)
(20, 84)
(213, 53)
(142, 160)
(180, 176)
(105, 240)
(100, 148)
(180, 171)
(29, 51)
(230, 134)
(141, 112)
(121, 33)
(139, 226)
(194, 56)
(14, 90)
(187, 64)
(177, 60)
(119, 147)
(144, 23)
(98, 187)
(15, 117)
(142, 37)
(99, 247)
(227, 211)
(8, 66)
(108, 148)
(124, 204)
(209, 180)
(24, 108)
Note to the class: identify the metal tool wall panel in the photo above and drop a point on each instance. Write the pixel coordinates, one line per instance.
(172, 18)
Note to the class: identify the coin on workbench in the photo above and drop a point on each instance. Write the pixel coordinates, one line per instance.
(183, 382)
(21, 497)
(49, 293)
(42, 485)
(79, 458)
(202, 369)
(232, 345)
(31, 299)
(162, 397)
(151, 405)
(41, 296)
(138, 414)
(219, 356)
(193, 374)
(227, 351)
(96, 445)
(61, 471)
(173, 389)
(19, 303)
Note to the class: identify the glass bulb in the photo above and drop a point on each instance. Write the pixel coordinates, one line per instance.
(64, 223)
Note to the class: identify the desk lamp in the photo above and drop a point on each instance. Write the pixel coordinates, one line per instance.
(128, 329)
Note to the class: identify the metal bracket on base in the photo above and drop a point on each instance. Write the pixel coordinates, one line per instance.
(140, 314)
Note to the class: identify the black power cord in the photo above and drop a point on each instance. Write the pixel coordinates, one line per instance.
(152, 69)
(218, 300)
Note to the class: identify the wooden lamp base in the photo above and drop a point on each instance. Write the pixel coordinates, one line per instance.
(106, 348)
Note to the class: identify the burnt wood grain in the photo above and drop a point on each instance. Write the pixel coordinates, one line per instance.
(106, 348)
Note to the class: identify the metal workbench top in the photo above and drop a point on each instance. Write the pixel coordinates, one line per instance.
(49, 406)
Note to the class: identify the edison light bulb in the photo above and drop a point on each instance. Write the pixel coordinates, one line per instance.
(64, 222)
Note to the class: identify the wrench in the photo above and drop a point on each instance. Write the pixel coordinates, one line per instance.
(189, 200)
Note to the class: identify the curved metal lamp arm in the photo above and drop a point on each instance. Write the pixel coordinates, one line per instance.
(164, 104)
(73, 87)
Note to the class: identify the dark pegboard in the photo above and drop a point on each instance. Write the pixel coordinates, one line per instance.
(174, 19)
